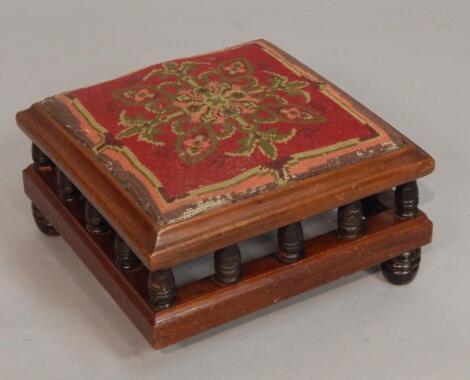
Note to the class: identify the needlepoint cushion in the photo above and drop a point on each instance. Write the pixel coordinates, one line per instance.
(192, 135)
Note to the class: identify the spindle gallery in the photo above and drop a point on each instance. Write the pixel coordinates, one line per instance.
(192, 156)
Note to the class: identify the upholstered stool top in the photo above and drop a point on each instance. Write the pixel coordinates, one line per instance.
(210, 144)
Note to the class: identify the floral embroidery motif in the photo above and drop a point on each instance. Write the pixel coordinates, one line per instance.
(191, 136)
(204, 108)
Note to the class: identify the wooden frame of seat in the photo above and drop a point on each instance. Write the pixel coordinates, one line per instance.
(387, 238)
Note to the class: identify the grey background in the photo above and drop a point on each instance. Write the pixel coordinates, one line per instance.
(407, 60)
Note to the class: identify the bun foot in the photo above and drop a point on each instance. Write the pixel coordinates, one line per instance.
(43, 224)
(402, 270)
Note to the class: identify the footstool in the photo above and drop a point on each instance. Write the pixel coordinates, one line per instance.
(189, 157)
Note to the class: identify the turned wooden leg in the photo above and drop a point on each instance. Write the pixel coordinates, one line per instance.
(291, 243)
(350, 221)
(95, 223)
(407, 199)
(40, 160)
(161, 288)
(43, 224)
(402, 270)
(67, 190)
(227, 264)
(125, 259)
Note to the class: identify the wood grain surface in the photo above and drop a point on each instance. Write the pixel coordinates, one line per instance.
(205, 304)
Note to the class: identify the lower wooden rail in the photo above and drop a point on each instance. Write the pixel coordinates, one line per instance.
(204, 304)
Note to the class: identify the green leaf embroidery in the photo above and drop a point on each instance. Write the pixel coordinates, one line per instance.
(149, 135)
(202, 108)
(268, 149)
(128, 132)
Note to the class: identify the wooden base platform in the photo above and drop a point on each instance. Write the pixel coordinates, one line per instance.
(205, 304)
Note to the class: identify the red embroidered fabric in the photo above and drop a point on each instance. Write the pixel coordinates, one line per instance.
(191, 135)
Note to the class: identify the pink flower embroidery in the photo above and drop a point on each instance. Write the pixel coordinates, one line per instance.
(139, 96)
(196, 144)
(292, 113)
(235, 68)
(225, 102)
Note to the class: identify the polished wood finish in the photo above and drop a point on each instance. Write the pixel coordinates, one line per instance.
(291, 243)
(126, 260)
(402, 270)
(227, 263)
(204, 304)
(163, 246)
(88, 176)
(43, 224)
(350, 220)
(95, 223)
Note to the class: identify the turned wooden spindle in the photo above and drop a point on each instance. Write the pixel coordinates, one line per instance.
(291, 243)
(43, 224)
(350, 220)
(125, 259)
(161, 288)
(95, 223)
(40, 159)
(227, 264)
(67, 190)
(407, 199)
(402, 270)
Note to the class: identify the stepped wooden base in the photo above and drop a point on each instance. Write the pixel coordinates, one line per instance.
(204, 304)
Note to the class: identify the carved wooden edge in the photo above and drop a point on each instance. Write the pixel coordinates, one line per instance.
(288, 204)
(78, 164)
(162, 247)
(204, 304)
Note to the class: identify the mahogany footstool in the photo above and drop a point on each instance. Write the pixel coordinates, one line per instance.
(189, 157)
